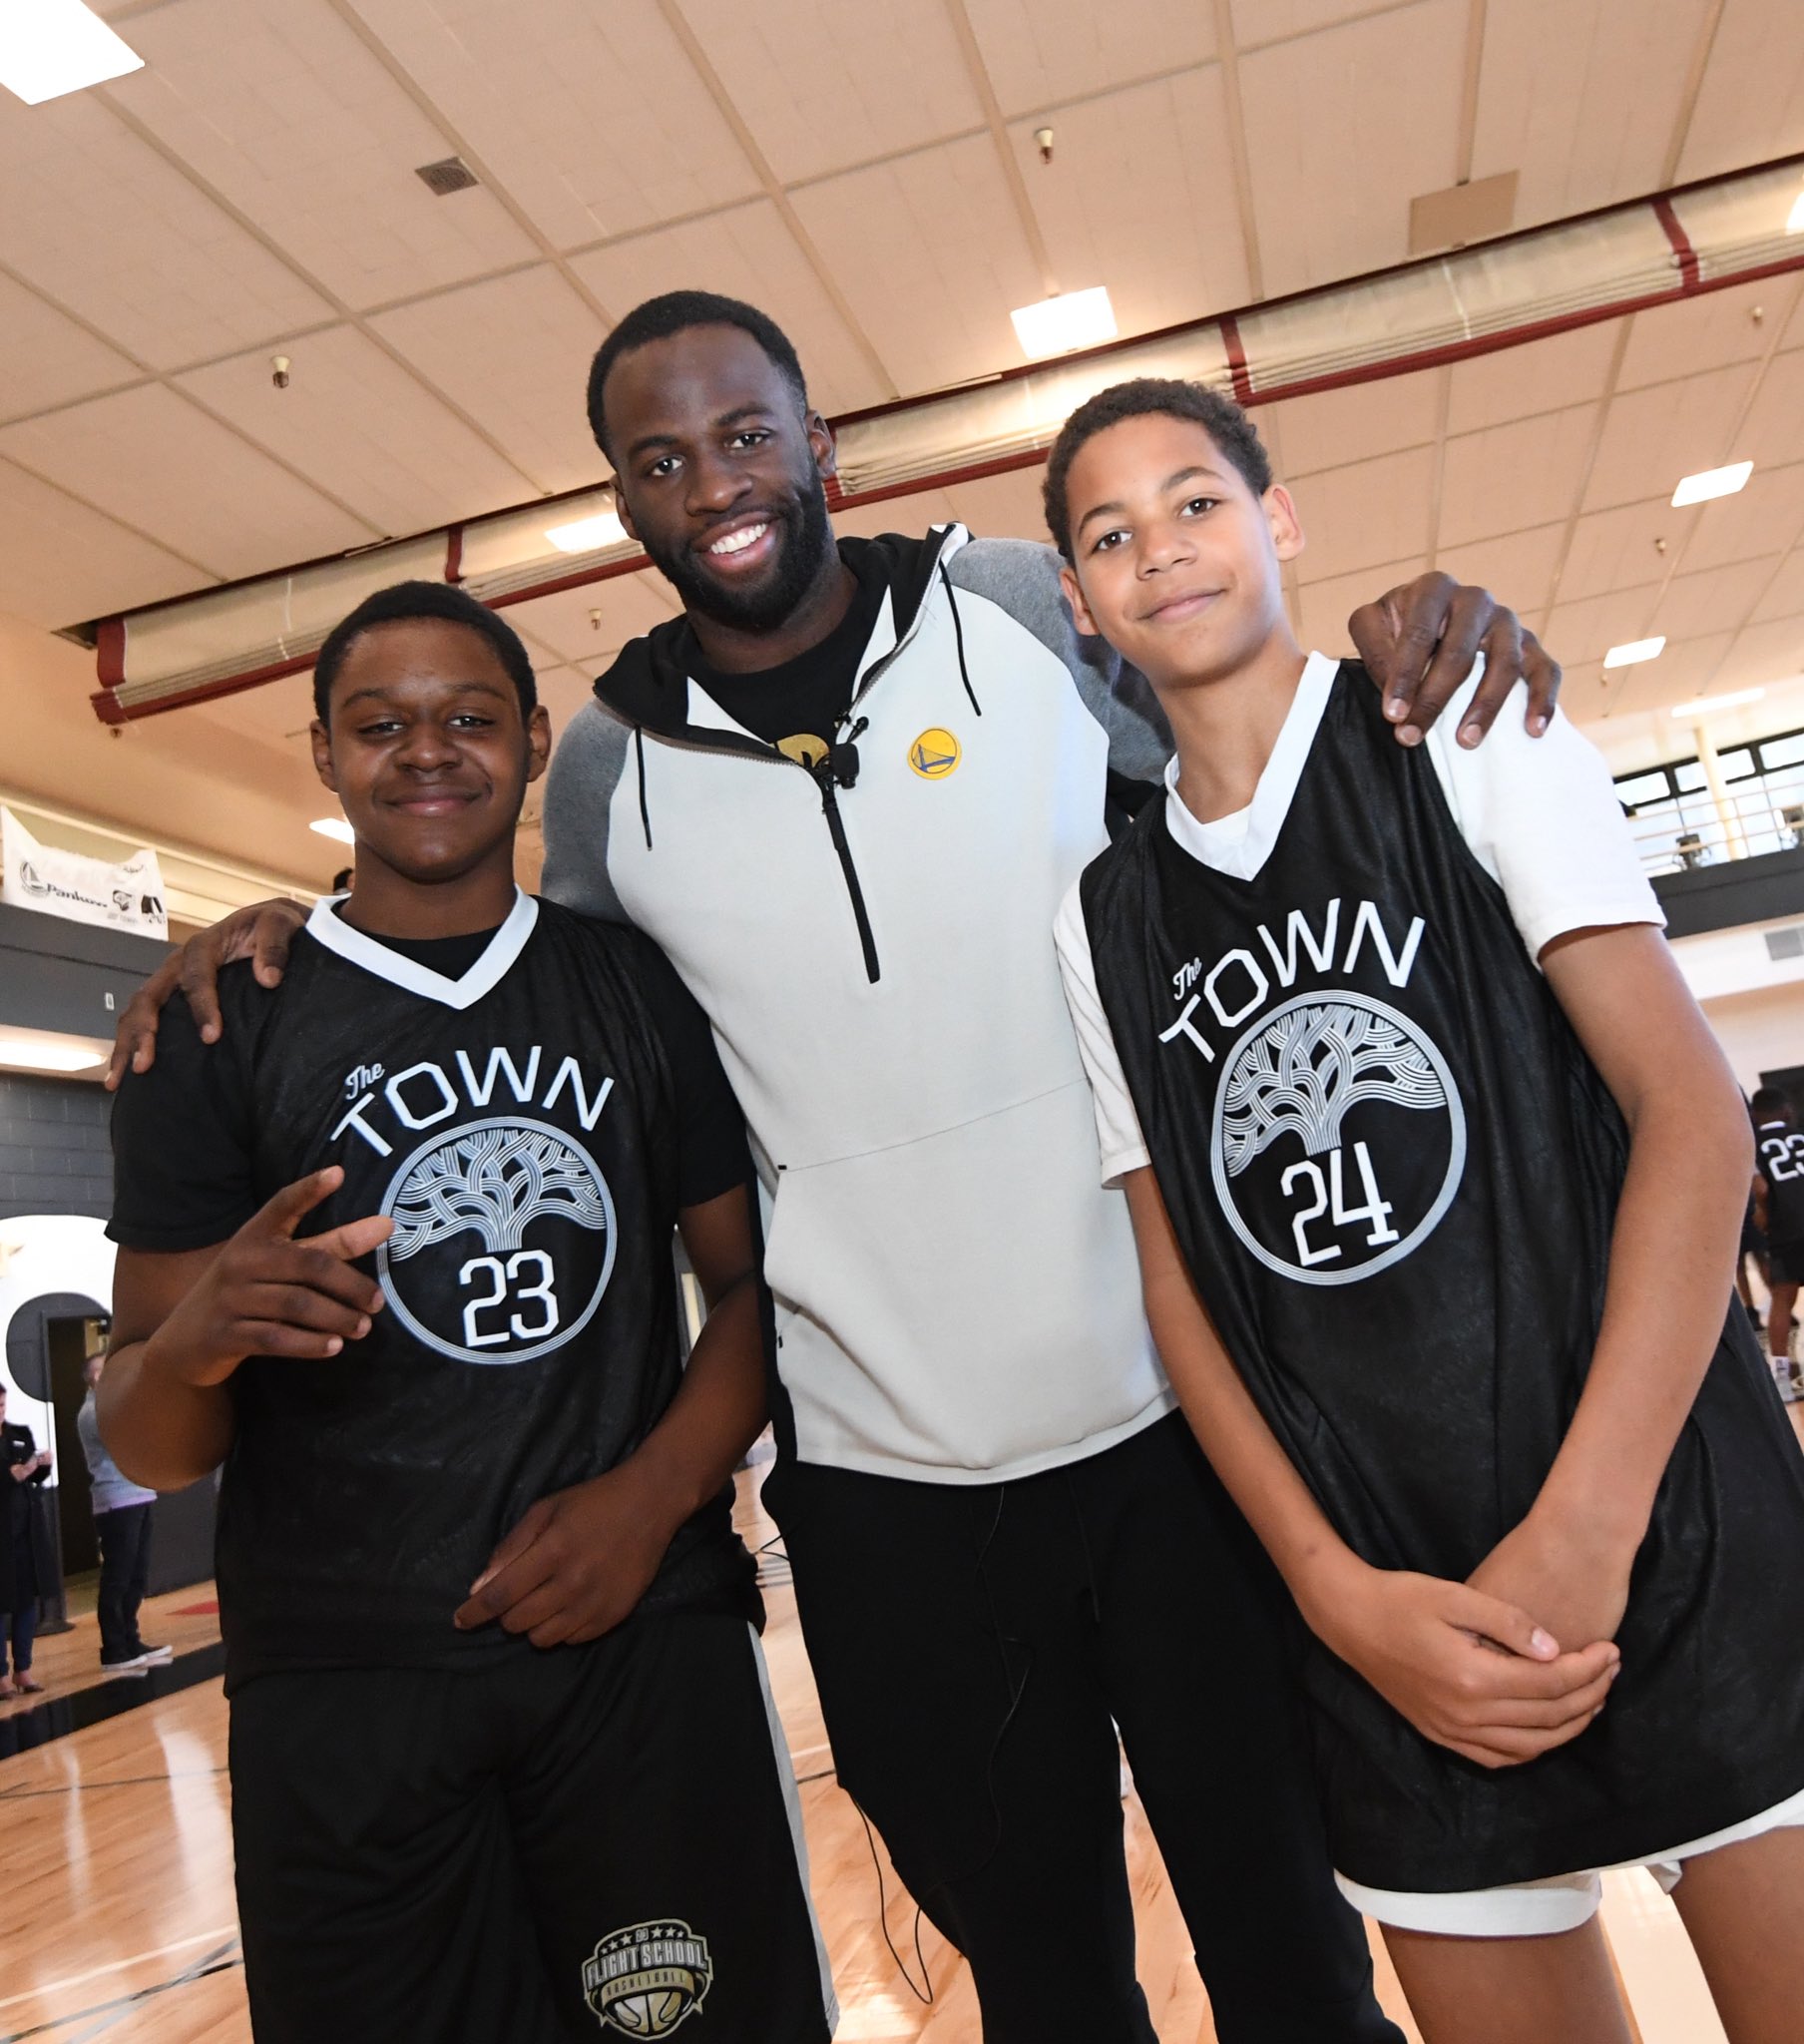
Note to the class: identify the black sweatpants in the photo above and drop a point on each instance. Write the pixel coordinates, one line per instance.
(971, 1644)
(579, 1843)
(125, 1569)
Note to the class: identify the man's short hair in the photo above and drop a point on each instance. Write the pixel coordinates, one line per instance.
(1770, 1104)
(1234, 434)
(675, 312)
(404, 601)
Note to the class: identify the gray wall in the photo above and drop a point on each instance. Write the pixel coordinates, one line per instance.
(54, 1153)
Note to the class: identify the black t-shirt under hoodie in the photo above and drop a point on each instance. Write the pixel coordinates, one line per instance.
(1394, 1175)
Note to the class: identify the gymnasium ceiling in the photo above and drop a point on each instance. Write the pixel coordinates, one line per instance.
(865, 169)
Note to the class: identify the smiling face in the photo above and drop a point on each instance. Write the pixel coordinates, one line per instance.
(428, 751)
(721, 472)
(1176, 561)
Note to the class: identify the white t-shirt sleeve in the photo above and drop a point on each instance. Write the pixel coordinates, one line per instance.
(1119, 1136)
(1542, 817)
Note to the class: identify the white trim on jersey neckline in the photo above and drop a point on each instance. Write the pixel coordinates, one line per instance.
(352, 945)
(1239, 844)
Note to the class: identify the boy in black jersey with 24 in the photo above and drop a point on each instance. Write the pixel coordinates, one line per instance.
(502, 1756)
(1436, 1175)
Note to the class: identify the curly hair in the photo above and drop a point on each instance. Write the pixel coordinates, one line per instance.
(1234, 434)
(405, 601)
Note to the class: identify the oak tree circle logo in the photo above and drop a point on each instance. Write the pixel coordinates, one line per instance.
(503, 1243)
(1339, 1138)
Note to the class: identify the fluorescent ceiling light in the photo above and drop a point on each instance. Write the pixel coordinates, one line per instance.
(1629, 654)
(588, 535)
(1057, 325)
(39, 1051)
(1711, 482)
(1702, 705)
(50, 47)
(334, 826)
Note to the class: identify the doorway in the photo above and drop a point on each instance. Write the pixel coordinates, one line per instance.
(71, 1340)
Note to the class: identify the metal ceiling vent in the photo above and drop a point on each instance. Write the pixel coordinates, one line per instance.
(453, 174)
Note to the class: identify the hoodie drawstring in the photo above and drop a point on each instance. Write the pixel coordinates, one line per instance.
(958, 633)
(645, 809)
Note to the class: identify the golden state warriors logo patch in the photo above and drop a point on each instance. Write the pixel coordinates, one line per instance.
(644, 1980)
(934, 755)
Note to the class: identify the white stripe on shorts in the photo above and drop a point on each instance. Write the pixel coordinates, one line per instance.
(1564, 1902)
(792, 1804)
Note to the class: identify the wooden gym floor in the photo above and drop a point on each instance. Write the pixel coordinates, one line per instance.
(117, 1918)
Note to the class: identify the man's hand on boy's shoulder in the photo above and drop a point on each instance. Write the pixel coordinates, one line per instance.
(1419, 641)
(261, 932)
(576, 1565)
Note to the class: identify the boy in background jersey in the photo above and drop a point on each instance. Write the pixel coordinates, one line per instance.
(1779, 1169)
(1444, 1158)
(501, 1757)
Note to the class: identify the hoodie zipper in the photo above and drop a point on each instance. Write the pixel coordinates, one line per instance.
(829, 808)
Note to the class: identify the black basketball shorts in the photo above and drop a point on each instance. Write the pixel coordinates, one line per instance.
(592, 1841)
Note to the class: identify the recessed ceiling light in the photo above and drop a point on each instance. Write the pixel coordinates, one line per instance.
(1054, 327)
(1702, 705)
(52, 46)
(334, 826)
(1618, 656)
(1711, 482)
(46, 1053)
(588, 535)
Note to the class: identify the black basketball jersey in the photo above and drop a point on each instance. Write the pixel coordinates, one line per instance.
(1394, 1174)
(1779, 1159)
(518, 1126)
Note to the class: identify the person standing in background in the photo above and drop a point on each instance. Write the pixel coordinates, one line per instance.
(122, 1522)
(1779, 1159)
(25, 1560)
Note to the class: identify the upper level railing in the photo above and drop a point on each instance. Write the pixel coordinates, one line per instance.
(1678, 824)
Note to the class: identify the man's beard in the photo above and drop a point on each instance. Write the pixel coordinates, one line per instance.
(803, 541)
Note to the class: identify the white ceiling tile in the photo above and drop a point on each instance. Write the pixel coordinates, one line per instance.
(1774, 431)
(1264, 21)
(591, 117)
(1518, 568)
(514, 354)
(1711, 333)
(1750, 108)
(1615, 549)
(563, 690)
(1717, 600)
(1763, 519)
(1583, 696)
(353, 421)
(1038, 52)
(1652, 437)
(1784, 595)
(1540, 376)
(97, 219)
(1580, 101)
(1135, 199)
(1373, 511)
(1324, 607)
(1331, 428)
(1684, 670)
(913, 514)
(279, 712)
(61, 564)
(998, 506)
(1513, 476)
(822, 86)
(930, 255)
(148, 457)
(586, 626)
(1343, 128)
(282, 108)
(1586, 628)
(746, 252)
(46, 358)
(1764, 653)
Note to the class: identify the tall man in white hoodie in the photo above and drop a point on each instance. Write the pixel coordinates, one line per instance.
(846, 792)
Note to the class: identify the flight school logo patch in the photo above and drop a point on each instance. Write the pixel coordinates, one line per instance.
(1339, 1139)
(503, 1243)
(645, 1979)
(935, 754)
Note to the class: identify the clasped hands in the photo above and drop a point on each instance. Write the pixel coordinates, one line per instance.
(1487, 1666)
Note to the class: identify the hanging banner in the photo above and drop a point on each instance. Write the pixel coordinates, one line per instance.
(124, 894)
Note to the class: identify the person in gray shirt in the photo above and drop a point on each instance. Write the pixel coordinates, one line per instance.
(122, 1519)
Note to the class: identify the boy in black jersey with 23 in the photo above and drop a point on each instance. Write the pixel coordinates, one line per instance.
(1436, 1175)
(1779, 1163)
(502, 1760)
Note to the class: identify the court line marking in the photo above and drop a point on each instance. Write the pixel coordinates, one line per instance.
(123, 1781)
(223, 1958)
(224, 1930)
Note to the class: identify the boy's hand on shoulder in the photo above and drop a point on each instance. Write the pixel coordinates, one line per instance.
(1571, 1574)
(265, 1293)
(577, 1564)
(1468, 1670)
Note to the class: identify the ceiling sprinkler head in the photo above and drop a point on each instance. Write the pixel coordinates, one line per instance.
(279, 367)
(1043, 141)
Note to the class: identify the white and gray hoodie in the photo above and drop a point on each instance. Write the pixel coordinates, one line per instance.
(957, 1299)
